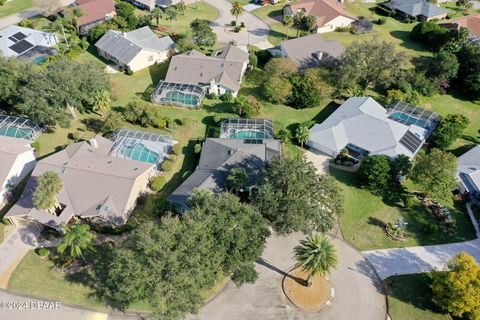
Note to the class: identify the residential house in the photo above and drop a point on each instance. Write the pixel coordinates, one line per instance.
(421, 10)
(144, 4)
(246, 143)
(17, 160)
(364, 127)
(330, 14)
(311, 51)
(468, 172)
(97, 185)
(94, 12)
(26, 43)
(471, 22)
(136, 49)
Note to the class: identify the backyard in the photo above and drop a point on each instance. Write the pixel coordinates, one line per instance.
(14, 6)
(409, 297)
(366, 214)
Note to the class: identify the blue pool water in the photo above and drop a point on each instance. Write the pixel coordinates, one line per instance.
(40, 59)
(140, 153)
(248, 134)
(410, 120)
(15, 132)
(181, 97)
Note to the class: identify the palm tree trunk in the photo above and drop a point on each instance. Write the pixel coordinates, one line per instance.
(309, 280)
(236, 20)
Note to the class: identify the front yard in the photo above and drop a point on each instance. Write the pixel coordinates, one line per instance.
(410, 297)
(365, 215)
(14, 6)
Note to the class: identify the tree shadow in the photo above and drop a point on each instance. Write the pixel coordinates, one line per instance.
(268, 265)
(326, 112)
(375, 222)
(92, 124)
(464, 148)
(407, 42)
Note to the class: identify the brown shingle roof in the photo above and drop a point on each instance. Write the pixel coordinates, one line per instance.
(472, 22)
(94, 10)
(324, 10)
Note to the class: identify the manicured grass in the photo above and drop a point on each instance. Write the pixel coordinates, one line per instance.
(365, 214)
(182, 24)
(456, 12)
(14, 6)
(410, 297)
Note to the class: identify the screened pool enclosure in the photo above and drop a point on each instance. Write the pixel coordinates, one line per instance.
(179, 94)
(17, 127)
(238, 128)
(409, 114)
(141, 146)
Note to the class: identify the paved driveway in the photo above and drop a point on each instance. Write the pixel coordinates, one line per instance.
(357, 292)
(256, 33)
(319, 160)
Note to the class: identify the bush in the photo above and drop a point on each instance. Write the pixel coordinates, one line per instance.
(43, 252)
(177, 149)
(217, 118)
(129, 71)
(36, 146)
(431, 228)
(227, 96)
(2, 2)
(342, 29)
(158, 183)
(77, 135)
(242, 24)
(263, 56)
(167, 165)
(253, 61)
(198, 148)
(233, 23)
(409, 202)
(381, 20)
(237, 29)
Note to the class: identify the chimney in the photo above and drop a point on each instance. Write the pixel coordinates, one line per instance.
(94, 143)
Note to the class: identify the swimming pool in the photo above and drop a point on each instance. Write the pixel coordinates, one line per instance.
(409, 119)
(139, 152)
(248, 134)
(16, 132)
(40, 59)
(181, 97)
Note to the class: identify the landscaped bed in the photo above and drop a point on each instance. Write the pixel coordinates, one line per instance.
(366, 214)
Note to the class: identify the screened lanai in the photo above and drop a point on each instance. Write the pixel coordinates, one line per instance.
(180, 94)
(238, 128)
(409, 114)
(17, 127)
(141, 146)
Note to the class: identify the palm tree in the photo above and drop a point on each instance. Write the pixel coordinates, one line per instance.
(48, 186)
(316, 255)
(288, 23)
(157, 13)
(181, 7)
(237, 179)
(57, 27)
(77, 239)
(302, 134)
(236, 10)
(171, 13)
(101, 102)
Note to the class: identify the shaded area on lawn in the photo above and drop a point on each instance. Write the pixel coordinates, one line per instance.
(366, 214)
(409, 297)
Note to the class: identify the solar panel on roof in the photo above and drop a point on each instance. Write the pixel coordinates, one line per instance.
(19, 36)
(12, 39)
(410, 141)
(21, 47)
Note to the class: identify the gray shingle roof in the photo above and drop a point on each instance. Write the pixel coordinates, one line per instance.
(468, 169)
(34, 37)
(416, 7)
(95, 184)
(218, 157)
(363, 122)
(125, 46)
(301, 50)
(225, 66)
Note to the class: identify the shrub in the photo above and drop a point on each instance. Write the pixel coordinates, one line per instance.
(409, 202)
(233, 23)
(158, 183)
(242, 24)
(237, 29)
(227, 96)
(167, 165)
(2, 2)
(27, 23)
(35, 145)
(129, 71)
(339, 162)
(43, 252)
(77, 135)
(198, 148)
(177, 149)
(253, 60)
(430, 228)
(342, 29)
(217, 118)
(382, 20)
(263, 56)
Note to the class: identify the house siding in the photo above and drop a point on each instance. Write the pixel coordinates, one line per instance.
(23, 165)
(338, 22)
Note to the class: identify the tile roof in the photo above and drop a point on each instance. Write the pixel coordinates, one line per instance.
(218, 157)
(363, 122)
(94, 10)
(125, 46)
(301, 50)
(225, 66)
(324, 10)
(95, 183)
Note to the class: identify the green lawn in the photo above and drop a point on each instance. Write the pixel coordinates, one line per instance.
(365, 214)
(409, 298)
(456, 12)
(182, 24)
(14, 6)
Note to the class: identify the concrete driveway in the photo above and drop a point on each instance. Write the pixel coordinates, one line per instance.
(358, 294)
(320, 161)
(256, 30)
